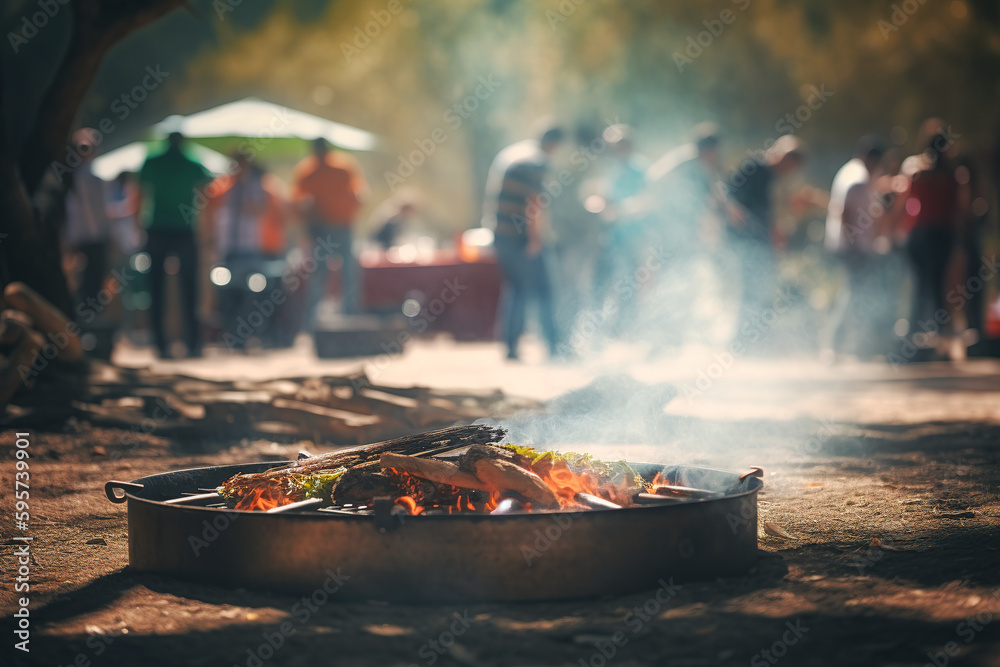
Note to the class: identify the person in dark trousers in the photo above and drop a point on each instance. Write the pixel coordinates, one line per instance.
(934, 220)
(855, 223)
(169, 182)
(749, 232)
(516, 213)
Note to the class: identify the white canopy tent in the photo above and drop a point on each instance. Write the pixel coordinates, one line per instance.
(252, 117)
(131, 157)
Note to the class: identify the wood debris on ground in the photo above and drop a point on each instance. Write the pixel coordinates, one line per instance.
(343, 410)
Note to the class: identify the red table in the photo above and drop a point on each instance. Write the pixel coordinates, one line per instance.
(456, 296)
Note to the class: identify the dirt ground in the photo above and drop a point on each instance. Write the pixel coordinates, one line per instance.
(879, 534)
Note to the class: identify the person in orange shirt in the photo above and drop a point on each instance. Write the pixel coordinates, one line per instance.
(329, 190)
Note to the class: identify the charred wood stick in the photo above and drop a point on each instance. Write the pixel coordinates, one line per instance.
(456, 435)
(440, 450)
(47, 319)
(366, 456)
(596, 502)
(434, 470)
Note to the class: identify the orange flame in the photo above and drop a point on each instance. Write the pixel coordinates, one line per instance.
(418, 496)
(410, 505)
(264, 498)
(659, 482)
(557, 475)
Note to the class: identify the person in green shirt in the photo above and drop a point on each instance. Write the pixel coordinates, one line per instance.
(170, 183)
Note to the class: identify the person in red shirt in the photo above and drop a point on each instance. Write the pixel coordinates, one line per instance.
(932, 218)
(329, 190)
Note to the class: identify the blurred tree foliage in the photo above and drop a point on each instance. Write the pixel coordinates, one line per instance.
(888, 65)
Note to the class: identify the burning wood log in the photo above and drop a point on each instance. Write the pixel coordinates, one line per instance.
(500, 475)
(360, 486)
(435, 470)
(404, 470)
(315, 476)
(492, 471)
(456, 435)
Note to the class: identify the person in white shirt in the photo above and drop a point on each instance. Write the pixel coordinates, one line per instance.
(855, 234)
(88, 225)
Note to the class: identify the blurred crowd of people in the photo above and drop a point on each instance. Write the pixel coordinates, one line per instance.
(232, 230)
(631, 246)
(607, 244)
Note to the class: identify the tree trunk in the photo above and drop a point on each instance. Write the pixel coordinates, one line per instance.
(31, 193)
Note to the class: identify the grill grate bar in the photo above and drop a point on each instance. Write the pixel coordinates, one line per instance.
(193, 498)
(307, 504)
